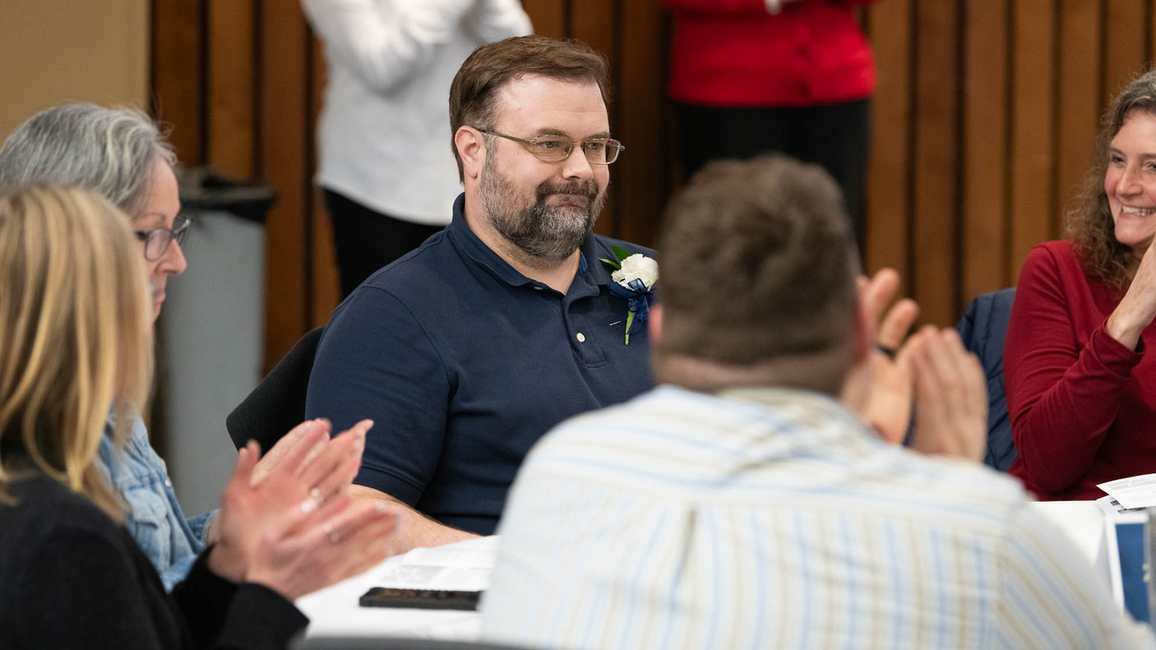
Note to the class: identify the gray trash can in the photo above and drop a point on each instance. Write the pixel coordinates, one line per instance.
(210, 333)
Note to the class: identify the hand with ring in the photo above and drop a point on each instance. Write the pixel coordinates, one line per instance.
(887, 384)
(267, 521)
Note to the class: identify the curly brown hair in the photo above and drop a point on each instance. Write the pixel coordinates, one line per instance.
(1089, 222)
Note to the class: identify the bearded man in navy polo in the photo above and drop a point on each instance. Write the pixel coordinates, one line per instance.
(470, 348)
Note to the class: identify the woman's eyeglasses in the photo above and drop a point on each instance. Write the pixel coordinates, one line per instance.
(157, 240)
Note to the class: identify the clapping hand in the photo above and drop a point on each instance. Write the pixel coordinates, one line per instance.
(293, 528)
(950, 396)
(887, 404)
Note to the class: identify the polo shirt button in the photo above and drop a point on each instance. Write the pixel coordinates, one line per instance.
(581, 337)
(168, 483)
(537, 287)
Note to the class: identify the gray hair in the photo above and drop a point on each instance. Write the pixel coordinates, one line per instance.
(107, 150)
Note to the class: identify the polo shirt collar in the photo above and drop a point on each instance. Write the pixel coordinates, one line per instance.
(473, 247)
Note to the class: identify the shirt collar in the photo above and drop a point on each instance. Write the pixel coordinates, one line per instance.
(473, 247)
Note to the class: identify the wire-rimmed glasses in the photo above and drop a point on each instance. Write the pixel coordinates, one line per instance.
(556, 148)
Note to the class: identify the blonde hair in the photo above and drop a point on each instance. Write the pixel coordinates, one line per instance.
(75, 334)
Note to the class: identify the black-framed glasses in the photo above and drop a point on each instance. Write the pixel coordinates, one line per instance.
(556, 148)
(157, 240)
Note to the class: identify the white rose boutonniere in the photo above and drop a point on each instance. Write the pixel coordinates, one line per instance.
(634, 279)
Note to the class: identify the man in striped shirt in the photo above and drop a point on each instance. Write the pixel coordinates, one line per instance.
(740, 504)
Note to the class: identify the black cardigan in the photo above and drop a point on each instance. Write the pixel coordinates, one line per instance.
(70, 577)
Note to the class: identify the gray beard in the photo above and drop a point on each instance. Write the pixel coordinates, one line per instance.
(542, 233)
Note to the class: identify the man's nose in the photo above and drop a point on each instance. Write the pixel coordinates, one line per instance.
(576, 165)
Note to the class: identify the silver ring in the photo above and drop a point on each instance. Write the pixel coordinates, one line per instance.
(333, 535)
(316, 495)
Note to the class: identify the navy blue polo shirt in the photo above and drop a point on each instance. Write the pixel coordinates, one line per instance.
(463, 363)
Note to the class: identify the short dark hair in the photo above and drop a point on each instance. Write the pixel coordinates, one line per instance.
(758, 264)
(493, 65)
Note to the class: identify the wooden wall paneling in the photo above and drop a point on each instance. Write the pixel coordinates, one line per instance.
(641, 105)
(549, 16)
(1151, 32)
(1079, 99)
(888, 178)
(230, 137)
(326, 285)
(985, 143)
(178, 76)
(592, 21)
(1124, 42)
(1032, 196)
(936, 152)
(284, 128)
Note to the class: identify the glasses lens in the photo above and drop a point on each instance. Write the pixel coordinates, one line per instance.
(552, 149)
(613, 148)
(181, 228)
(157, 244)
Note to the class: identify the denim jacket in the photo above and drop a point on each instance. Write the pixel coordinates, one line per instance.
(169, 540)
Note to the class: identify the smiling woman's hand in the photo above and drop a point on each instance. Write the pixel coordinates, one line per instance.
(1138, 308)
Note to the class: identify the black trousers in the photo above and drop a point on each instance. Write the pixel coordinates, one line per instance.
(366, 240)
(831, 135)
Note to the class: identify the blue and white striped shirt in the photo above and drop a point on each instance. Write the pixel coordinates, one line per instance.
(774, 518)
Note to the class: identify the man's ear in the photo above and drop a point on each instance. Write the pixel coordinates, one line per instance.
(654, 324)
(471, 147)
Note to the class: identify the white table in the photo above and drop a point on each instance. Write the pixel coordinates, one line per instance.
(462, 566)
(467, 566)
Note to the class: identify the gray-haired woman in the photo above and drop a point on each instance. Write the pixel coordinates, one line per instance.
(122, 155)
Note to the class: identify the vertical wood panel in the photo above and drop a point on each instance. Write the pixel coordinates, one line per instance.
(177, 77)
(1032, 120)
(230, 87)
(641, 92)
(284, 127)
(326, 285)
(984, 196)
(1123, 45)
(1079, 105)
(591, 23)
(936, 216)
(888, 183)
(548, 16)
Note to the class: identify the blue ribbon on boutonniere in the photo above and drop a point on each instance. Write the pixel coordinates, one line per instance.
(634, 290)
(639, 299)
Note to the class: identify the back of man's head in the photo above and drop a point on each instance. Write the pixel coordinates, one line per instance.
(758, 279)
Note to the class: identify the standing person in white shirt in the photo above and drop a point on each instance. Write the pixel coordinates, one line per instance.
(740, 504)
(384, 165)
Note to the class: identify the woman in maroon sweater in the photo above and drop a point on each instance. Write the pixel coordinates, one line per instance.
(1081, 386)
(795, 76)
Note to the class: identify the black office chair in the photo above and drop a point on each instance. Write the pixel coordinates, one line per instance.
(277, 404)
(983, 330)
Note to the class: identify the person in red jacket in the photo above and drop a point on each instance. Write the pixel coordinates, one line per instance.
(1081, 385)
(796, 76)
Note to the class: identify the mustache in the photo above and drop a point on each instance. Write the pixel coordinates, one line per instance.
(589, 189)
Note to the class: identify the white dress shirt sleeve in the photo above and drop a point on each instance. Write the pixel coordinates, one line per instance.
(384, 43)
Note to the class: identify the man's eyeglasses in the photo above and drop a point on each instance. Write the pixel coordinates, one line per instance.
(157, 240)
(556, 148)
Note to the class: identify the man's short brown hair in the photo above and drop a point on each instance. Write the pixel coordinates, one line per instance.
(493, 65)
(758, 264)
